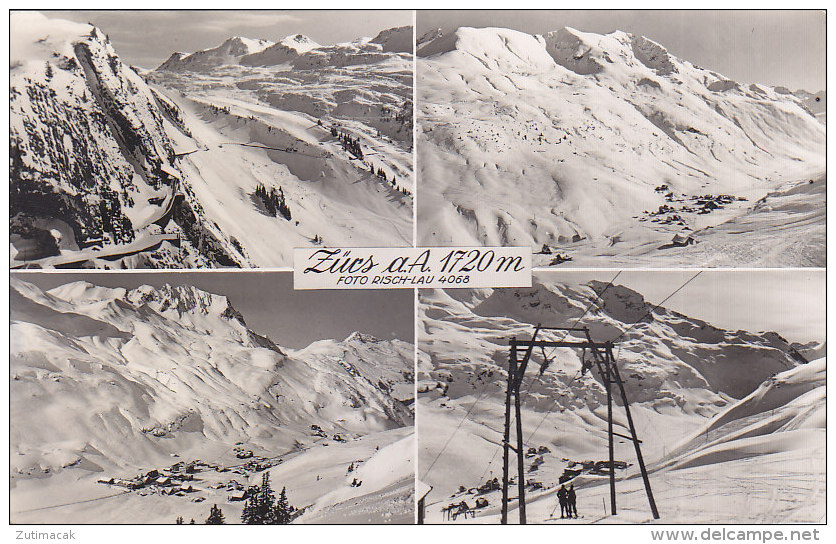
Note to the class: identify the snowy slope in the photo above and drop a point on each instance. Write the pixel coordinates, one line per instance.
(816, 103)
(575, 140)
(383, 464)
(299, 42)
(109, 171)
(109, 382)
(681, 374)
(760, 460)
(367, 81)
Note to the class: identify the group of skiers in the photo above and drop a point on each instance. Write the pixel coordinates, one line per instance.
(568, 506)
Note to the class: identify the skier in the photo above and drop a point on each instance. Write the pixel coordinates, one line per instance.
(570, 499)
(561, 497)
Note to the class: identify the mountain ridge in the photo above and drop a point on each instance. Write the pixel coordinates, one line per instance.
(603, 146)
(183, 351)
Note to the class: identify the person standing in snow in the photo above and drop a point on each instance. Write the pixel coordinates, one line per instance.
(562, 498)
(570, 499)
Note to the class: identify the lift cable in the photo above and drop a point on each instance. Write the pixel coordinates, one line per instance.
(658, 305)
(466, 415)
(566, 333)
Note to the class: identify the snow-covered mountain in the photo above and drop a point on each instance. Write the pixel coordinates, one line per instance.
(299, 42)
(109, 382)
(229, 52)
(606, 147)
(112, 169)
(92, 162)
(696, 392)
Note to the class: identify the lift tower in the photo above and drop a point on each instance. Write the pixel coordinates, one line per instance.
(604, 360)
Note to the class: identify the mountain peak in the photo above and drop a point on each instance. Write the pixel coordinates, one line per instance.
(363, 338)
(35, 37)
(299, 42)
(229, 51)
(247, 45)
(84, 291)
(395, 40)
(653, 55)
(184, 299)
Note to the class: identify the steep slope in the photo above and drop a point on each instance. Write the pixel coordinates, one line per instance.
(106, 382)
(603, 146)
(680, 374)
(92, 163)
(384, 466)
(791, 402)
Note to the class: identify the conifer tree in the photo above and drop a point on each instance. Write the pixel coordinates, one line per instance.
(266, 501)
(216, 517)
(260, 507)
(283, 509)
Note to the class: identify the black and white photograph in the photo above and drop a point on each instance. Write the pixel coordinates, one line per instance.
(624, 138)
(672, 397)
(226, 227)
(203, 139)
(214, 397)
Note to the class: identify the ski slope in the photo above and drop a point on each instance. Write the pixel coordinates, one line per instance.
(731, 422)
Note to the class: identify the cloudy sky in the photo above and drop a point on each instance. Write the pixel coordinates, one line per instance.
(270, 306)
(147, 38)
(771, 47)
(789, 302)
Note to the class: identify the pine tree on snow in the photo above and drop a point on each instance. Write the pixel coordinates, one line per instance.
(216, 517)
(283, 509)
(260, 508)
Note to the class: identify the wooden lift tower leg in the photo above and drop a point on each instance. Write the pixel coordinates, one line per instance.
(520, 466)
(639, 457)
(512, 375)
(608, 377)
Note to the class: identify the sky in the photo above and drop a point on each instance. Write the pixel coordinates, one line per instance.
(270, 306)
(147, 38)
(756, 46)
(789, 302)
